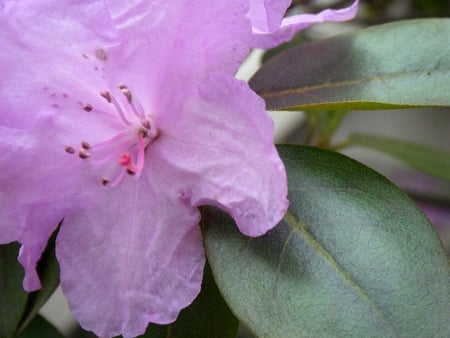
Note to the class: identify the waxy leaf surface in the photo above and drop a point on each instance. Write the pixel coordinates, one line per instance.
(12, 296)
(39, 327)
(395, 65)
(353, 257)
(430, 160)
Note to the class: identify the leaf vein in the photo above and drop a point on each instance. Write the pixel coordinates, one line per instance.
(346, 276)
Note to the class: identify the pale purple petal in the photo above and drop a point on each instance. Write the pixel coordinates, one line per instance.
(167, 47)
(140, 262)
(46, 52)
(42, 220)
(32, 204)
(223, 154)
(130, 248)
(12, 217)
(271, 35)
(10, 221)
(31, 225)
(266, 15)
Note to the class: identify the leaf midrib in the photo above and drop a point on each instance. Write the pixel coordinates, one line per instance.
(267, 94)
(346, 276)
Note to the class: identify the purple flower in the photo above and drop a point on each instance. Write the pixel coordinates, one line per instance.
(121, 118)
(270, 29)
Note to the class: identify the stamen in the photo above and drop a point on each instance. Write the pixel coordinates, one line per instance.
(138, 112)
(119, 110)
(114, 153)
(145, 124)
(126, 92)
(118, 179)
(153, 132)
(100, 54)
(82, 153)
(123, 145)
(87, 107)
(137, 108)
(104, 113)
(85, 145)
(106, 95)
(115, 141)
(141, 153)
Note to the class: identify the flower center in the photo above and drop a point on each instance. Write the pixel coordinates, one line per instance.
(124, 153)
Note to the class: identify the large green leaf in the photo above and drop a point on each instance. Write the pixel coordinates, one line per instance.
(353, 257)
(207, 317)
(12, 296)
(395, 65)
(39, 327)
(432, 161)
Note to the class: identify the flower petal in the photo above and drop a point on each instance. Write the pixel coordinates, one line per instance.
(266, 15)
(268, 35)
(223, 154)
(163, 43)
(35, 67)
(31, 203)
(41, 221)
(131, 256)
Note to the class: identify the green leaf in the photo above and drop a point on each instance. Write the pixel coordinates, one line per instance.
(39, 327)
(353, 257)
(208, 316)
(429, 160)
(395, 65)
(12, 296)
(48, 270)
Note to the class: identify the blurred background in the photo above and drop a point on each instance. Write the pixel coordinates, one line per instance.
(425, 126)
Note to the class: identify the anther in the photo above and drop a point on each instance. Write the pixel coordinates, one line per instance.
(143, 133)
(85, 145)
(87, 107)
(82, 153)
(145, 124)
(127, 93)
(106, 95)
(69, 150)
(121, 86)
(105, 181)
(100, 54)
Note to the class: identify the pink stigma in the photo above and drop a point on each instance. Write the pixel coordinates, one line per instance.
(126, 160)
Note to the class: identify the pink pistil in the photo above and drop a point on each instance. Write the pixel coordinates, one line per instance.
(126, 160)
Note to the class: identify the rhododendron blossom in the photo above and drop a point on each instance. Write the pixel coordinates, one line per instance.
(120, 119)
